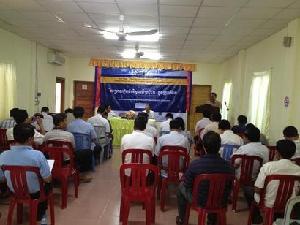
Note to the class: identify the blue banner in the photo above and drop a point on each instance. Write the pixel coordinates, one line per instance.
(130, 89)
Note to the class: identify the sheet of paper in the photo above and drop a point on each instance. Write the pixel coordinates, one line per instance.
(50, 163)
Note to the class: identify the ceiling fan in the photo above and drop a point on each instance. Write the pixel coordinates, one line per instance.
(137, 54)
(121, 35)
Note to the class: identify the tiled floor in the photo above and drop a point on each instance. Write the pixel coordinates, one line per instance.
(98, 203)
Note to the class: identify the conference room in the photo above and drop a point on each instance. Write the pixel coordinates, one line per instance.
(149, 112)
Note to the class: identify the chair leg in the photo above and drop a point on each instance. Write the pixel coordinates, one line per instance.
(159, 188)
(235, 194)
(125, 213)
(149, 209)
(268, 216)
(121, 211)
(153, 210)
(10, 212)
(222, 218)
(201, 218)
(163, 195)
(64, 193)
(187, 214)
(76, 184)
(19, 213)
(33, 211)
(51, 207)
(250, 215)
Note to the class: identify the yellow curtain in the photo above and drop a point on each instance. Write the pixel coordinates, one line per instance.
(142, 64)
(7, 89)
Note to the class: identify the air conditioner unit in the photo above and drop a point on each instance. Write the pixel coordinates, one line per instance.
(55, 58)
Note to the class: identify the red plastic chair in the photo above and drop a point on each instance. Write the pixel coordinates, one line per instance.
(138, 189)
(3, 140)
(175, 155)
(21, 194)
(198, 148)
(284, 192)
(246, 171)
(63, 172)
(272, 151)
(214, 203)
(137, 155)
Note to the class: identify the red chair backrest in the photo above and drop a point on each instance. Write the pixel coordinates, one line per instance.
(217, 188)
(246, 167)
(58, 154)
(174, 154)
(297, 161)
(174, 147)
(137, 155)
(284, 191)
(19, 181)
(56, 143)
(138, 182)
(3, 140)
(272, 151)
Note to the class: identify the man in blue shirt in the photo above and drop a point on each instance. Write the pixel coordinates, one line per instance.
(84, 157)
(22, 154)
(207, 164)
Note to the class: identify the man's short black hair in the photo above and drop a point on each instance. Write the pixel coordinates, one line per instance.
(58, 118)
(181, 122)
(13, 111)
(174, 125)
(216, 117)
(144, 115)
(20, 116)
(169, 115)
(224, 125)
(78, 112)
(101, 109)
(206, 113)
(140, 123)
(45, 109)
(252, 133)
(242, 119)
(69, 110)
(290, 132)
(286, 148)
(22, 132)
(213, 93)
(212, 142)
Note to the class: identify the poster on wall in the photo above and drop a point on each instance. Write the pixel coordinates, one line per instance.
(127, 89)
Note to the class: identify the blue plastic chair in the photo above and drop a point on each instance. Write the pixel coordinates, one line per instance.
(164, 132)
(227, 151)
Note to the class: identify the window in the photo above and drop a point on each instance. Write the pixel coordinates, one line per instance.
(259, 101)
(226, 100)
(7, 89)
(59, 94)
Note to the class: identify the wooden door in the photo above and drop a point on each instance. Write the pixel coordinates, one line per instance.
(84, 96)
(200, 95)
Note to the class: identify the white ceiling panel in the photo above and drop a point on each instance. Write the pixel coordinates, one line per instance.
(206, 30)
(75, 17)
(178, 11)
(103, 8)
(200, 37)
(257, 13)
(275, 24)
(270, 3)
(60, 6)
(141, 21)
(176, 21)
(217, 12)
(288, 14)
(138, 9)
(181, 2)
(22, 5)
(173, 30)
(224, 3)
(209, 22)
(295, 5)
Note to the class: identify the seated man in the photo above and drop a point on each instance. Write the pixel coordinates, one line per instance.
(47, 120)
(84, 157)
(59, 132)
(201, 124)
(150, 130)
(21, 117)
(149, 111)
(215, 118)
(285, 149)
(173, 138)
(207, 164)
(10, 122)
(227, 135)
(291, 133)
(99, 120)
(241, 127)
(70, 116)
(165, 125)
(137, 139)
(22, 154)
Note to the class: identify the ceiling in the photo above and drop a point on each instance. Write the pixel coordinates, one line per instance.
(192, 30)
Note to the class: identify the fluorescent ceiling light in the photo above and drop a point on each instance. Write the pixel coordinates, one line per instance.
(144, 38)
(87, 25)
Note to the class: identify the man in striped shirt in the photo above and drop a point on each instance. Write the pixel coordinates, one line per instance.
(10, 122)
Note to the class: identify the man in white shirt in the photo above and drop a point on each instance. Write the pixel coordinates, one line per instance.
(59, 132)
(10, 122)
(291, 133)
(137, 139)
(110, 112)
(21, 116)
(285, 149)
(47, 120)
(165, 125)
(173, 138)
(214, 125)
(98, 120)
(149, 111)
(227, 135)
(150, 130)
(201, 124)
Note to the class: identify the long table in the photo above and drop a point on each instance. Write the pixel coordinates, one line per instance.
(120, 127)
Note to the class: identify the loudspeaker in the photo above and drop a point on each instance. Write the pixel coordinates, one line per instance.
(287, 41)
